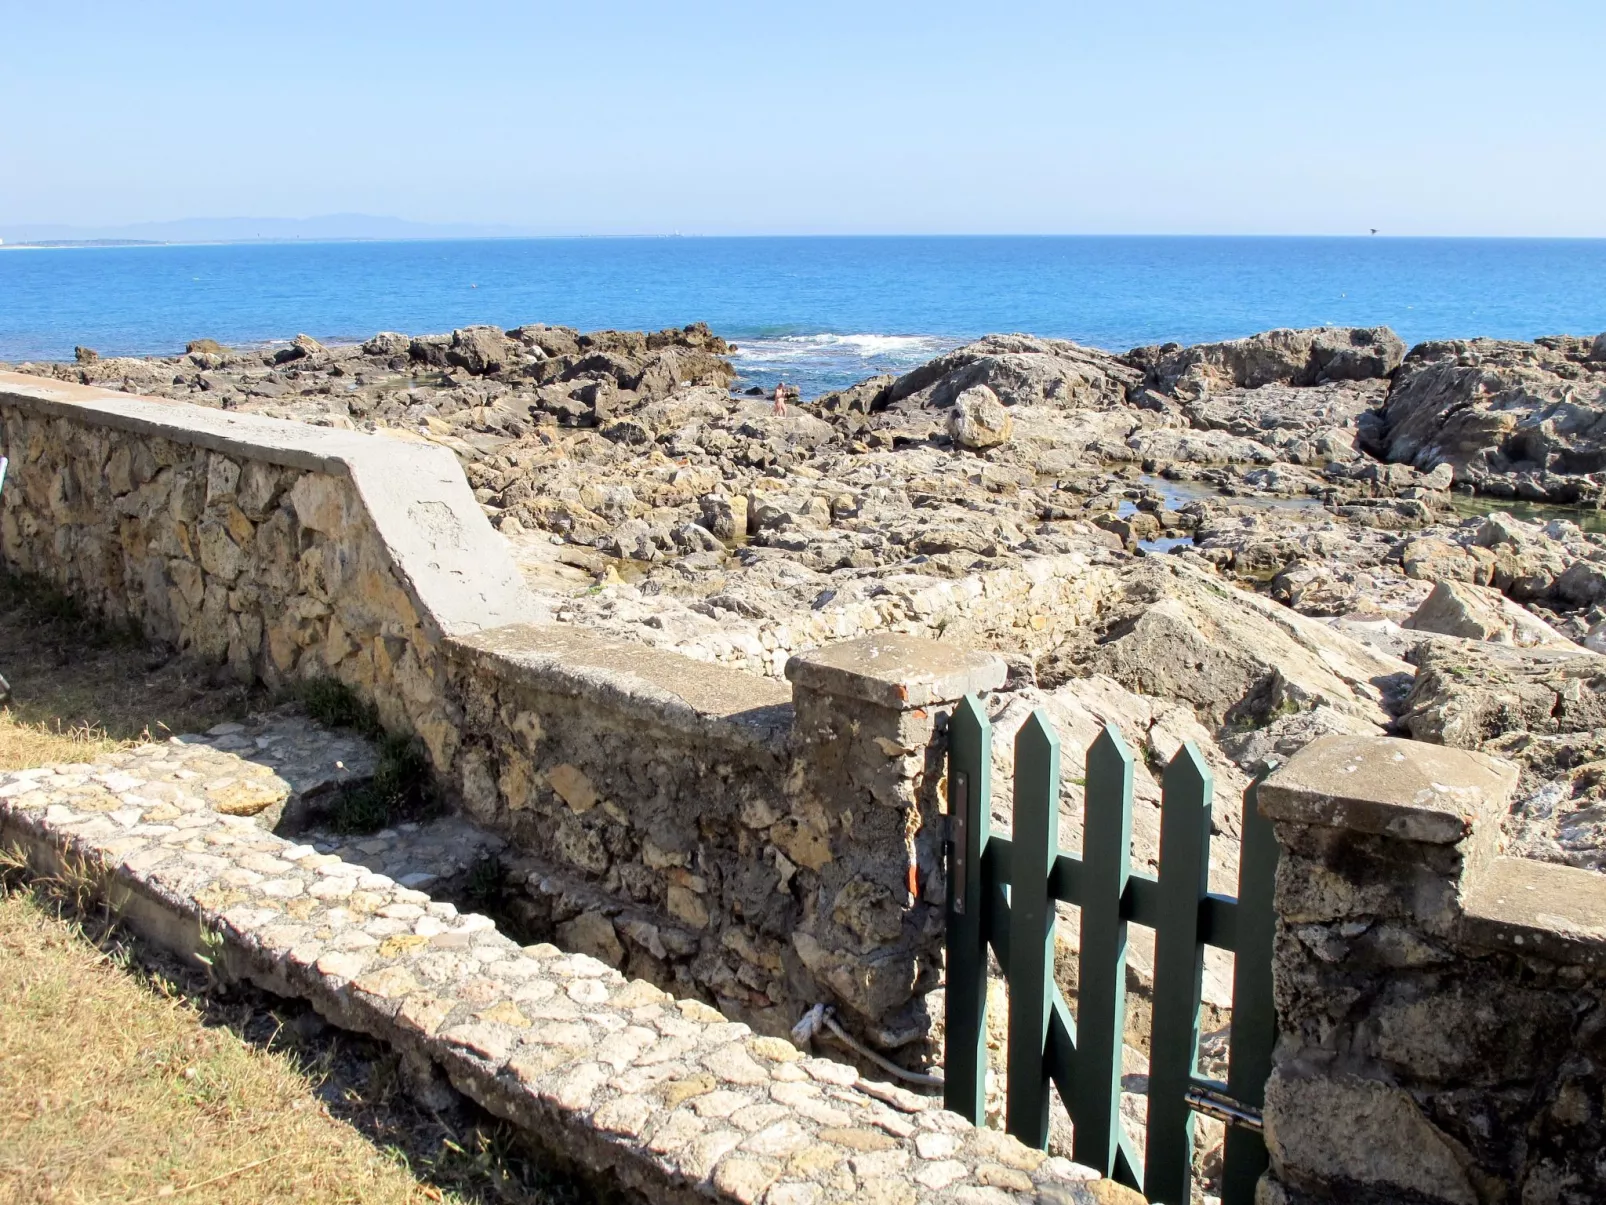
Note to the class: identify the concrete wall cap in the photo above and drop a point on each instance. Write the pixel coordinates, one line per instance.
(1537, 909)
(1397, 788)
(696, 697)
(899, 672)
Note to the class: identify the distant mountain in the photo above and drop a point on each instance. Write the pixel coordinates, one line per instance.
(245, 230)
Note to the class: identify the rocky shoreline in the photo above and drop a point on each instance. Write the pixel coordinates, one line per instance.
(1246, 544)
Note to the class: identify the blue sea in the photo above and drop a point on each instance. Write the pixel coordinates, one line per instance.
(817, 312)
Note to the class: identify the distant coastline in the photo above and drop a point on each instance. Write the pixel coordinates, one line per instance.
(67, 243)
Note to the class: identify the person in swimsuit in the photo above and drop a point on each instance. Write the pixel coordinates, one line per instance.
(780, 398)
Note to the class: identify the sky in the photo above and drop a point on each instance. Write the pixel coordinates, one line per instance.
(1142, 116)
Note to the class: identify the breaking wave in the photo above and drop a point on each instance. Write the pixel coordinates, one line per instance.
(821, 362)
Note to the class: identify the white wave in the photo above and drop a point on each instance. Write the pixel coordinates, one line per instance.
(865, 346)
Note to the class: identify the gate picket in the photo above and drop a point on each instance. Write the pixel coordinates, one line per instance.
(1101, 974)
(970, 792)
(1031, 927)
(1178, 975)
(1254, 1016)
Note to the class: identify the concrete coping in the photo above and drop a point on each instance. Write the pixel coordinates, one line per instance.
(1409, 790)
(895, 671)
(698, 698)
(456, 570)
(1539, 909)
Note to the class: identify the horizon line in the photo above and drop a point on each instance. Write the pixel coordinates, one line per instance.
(115, 243)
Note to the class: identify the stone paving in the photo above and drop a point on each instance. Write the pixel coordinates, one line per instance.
(430, 856)
(665, 1096)
(289, 754)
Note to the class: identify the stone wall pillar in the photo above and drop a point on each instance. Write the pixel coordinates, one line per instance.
(1442, 1009)
(870, 738)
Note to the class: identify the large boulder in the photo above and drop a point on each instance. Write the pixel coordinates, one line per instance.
(1279, 357)
(1515, 419)
(1022, 371)
(865, 397)
(1239, 660)
(301, 347)
(1487, 696)
(979, 420)
(1459, 608)
(481, 350)
(386, 344)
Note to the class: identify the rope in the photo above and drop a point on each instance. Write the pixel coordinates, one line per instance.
(822, 1016)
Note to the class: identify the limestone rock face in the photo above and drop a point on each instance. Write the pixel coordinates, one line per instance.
(862, 398)
(1021, 371)
(1176, 632)
(1471, 695)
(1458, 608)
(302, 347)
(979, 420)
(1279, 357)
(1315, 424)
(1524, 419)
(480, 350)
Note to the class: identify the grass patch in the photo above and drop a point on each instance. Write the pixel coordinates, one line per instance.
(400, 790)
(81, 688)
(333, 703)
(487, 881)
(125, 1077)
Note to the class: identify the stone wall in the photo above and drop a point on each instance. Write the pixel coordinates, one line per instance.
(703, 827)
(713, 832)
(1442, 1009)
(284, 551)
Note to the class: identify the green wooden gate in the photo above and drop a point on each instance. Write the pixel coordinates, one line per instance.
(1002, 894)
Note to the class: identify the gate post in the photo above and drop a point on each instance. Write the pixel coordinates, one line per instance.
(1432, 997)
(871, 730)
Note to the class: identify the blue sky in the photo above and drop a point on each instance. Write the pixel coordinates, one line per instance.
(1300, 116)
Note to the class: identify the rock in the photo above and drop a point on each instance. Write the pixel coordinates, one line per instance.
(300, 348)
(863, 398)
(1132, 528)
(724, 515)
(202, 347)
(1470, 695)
(592, 933)
(979, 420)
(634, 540)
(479, 349)
(429, 349)
(1583, 583)
(1177, 633)
(1434, 559)
(1315, 424)
(1286, 357)
(692, 537)
(1597, 349)
(1525, 419)
(1022, 371)
(1479, 613)
(386, 343)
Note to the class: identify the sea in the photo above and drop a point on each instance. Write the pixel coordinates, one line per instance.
(817, 312)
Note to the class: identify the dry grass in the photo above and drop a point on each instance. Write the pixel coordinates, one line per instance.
(79, 690)
(111, 1091)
